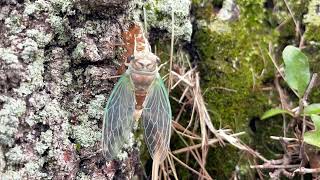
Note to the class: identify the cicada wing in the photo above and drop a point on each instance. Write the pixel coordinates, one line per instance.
(156, 117)
(118, 117)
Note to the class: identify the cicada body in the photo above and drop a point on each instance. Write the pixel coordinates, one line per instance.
(140, 88)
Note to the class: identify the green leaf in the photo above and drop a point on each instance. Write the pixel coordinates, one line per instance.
(297, 73)
(274, 112)
(313, 137)
(312, 109)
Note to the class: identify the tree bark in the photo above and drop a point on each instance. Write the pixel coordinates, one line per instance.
(56, 58)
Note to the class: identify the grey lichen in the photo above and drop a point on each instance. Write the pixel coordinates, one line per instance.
(39, 100)
(35, 71)
(67, 79)
(8, 56)
(87, 133)
(87, 49)
(16, 155)
(2, 161)
(45, 142)
(30, 48)
(11, 175)
(42, 38)
(65, 6)
(10, 113)
(159, 15)
(51, 113)
(60, 26)
(32, 169)
(82, 176)
(96, 107)
(90, 27)
(51, 6)
(14, 22)
(79, 50)
(37, 7)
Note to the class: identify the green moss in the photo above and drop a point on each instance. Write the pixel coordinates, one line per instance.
(312, 21)
(226, 163)
(234, 66)
(227, 66)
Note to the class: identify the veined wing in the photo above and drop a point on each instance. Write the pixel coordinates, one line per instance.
(156, 117)
(118, 117)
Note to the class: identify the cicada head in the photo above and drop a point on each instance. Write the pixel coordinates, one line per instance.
(144, 61)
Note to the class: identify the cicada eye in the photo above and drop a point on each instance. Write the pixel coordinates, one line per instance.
(130, 58)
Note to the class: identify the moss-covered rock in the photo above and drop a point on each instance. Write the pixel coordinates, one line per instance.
(234, 67)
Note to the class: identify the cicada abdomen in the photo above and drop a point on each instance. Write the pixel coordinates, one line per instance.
(140, 88)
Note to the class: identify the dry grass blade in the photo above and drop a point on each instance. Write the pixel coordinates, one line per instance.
(173, 168)
(210, 142)
(171, 52)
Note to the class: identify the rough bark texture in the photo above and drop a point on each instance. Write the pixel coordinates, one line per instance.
(55, 60)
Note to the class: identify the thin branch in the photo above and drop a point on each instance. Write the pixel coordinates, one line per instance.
(294, 20)
(303, 170)
(271, 166)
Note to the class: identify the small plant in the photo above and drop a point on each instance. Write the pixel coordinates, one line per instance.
(304, 119)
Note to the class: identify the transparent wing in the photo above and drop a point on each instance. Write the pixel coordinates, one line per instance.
(118, 117)
(156, 117)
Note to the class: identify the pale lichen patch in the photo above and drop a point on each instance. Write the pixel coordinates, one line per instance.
(96, 107)
(87, 133)
(9, 118)
(8, 56)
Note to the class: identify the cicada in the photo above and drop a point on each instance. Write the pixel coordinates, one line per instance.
(139, 89)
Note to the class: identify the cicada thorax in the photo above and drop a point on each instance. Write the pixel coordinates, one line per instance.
(143, 70)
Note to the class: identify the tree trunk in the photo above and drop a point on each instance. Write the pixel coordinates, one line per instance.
(56, 58)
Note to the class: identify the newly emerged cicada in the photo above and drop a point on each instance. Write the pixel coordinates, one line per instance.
(140, 88)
